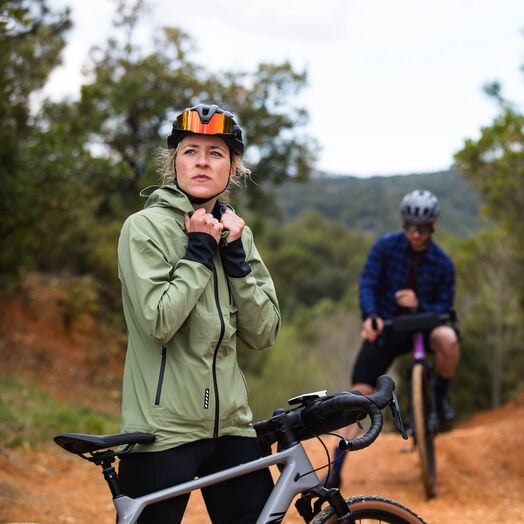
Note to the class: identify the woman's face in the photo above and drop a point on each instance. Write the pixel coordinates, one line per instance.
(203, 165)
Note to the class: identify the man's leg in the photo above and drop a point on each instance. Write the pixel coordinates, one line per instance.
(444, 343)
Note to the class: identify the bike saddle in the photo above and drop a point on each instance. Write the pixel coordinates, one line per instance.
(79, 443)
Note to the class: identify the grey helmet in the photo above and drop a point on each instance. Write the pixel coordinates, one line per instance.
(419, 207)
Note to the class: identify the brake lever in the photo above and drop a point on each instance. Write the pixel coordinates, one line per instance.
(397, 419)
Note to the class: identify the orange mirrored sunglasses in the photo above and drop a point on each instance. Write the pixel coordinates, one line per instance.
(218, 124)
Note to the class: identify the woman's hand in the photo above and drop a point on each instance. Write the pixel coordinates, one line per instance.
(202, 222)
(232, 223)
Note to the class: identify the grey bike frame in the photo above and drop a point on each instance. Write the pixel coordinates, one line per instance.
(297, 475)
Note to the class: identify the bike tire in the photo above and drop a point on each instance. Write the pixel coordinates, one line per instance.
(369, 509)
(421, 409)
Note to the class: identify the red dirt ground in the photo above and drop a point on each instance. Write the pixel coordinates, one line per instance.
(480, 463)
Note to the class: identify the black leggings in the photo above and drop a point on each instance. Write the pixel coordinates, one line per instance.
(238, 500)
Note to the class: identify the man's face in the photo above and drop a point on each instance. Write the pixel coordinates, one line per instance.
(418, 236)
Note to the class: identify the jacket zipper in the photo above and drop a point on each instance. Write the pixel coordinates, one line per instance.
(161, 375)
(215, 354)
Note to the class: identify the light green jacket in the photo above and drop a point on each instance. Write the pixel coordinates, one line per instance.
(181, 380)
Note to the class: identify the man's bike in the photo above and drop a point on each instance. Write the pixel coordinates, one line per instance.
(423, 419)
(281, 437)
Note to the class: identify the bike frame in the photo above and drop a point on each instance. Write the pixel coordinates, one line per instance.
(297, 475)
(422, 412)
(311, 415)
(419, 355)
(419, 348)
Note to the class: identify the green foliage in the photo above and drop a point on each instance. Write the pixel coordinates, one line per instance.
(313, 259)
(494, 164)
(29, 417)
(372, 204)
(494, 291)
(314, 352)
(81, 298)
(74, 171)
(270, 119)
(132, 101)
(491, 321)
(32, 38)
(54, 225)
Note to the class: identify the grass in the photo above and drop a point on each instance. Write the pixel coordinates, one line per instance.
(30, 418)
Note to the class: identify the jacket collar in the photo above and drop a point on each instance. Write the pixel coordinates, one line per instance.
(166, 196)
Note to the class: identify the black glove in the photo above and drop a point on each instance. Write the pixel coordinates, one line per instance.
(200, 248)
(234, 259)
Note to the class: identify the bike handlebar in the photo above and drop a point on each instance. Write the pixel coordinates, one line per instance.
(327, 414)
(421, 321)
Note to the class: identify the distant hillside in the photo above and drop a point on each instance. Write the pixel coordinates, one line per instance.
(372, 204)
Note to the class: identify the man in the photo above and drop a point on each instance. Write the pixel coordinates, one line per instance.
(405, 272)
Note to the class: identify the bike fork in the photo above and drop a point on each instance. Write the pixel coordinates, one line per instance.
(332, 496)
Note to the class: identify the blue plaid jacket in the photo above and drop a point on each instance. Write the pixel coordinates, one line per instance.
(386, 271)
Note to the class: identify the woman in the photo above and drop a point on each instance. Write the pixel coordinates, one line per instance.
(192, 281)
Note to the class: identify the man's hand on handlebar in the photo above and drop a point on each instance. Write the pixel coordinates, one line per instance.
(371, 328)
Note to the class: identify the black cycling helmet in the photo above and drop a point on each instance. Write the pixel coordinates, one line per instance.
(207, 119)
(419, 207)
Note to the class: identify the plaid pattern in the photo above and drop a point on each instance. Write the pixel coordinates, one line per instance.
(386, 271)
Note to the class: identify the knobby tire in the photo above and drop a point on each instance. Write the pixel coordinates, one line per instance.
(369, 509)
(421, 408)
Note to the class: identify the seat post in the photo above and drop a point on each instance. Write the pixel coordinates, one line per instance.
(110, 475)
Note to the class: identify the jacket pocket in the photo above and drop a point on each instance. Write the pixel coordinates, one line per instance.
(161, 376)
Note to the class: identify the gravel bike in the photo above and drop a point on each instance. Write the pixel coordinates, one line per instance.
(281, 437)
(423, 420)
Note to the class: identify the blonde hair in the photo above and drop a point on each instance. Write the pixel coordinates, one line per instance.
(166, 158)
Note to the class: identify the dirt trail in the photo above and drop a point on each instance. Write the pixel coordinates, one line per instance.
(480, 468)
(480, 463)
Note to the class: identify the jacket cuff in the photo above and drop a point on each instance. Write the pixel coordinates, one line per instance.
(234, 259)
(200, 248)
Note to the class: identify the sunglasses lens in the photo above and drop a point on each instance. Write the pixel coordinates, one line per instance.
(218, 124)
(412, 228)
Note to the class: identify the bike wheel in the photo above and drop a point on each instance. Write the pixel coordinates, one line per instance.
(423, 434)
(369, 509)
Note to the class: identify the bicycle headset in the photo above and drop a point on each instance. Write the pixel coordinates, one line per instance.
(419, 207)
(207, 119)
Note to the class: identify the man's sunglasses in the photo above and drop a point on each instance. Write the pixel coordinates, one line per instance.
(423, 230)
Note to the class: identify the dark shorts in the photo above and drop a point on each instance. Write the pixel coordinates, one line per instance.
(374, 360)
(237, 500)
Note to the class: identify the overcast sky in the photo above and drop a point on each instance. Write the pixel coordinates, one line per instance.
(395, 86)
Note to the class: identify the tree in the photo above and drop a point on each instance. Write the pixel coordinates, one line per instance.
(314, 259)
(32, 38)
(75, 167)
(490, 318)
(494, 164)
(135, 93)
(263, 102)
